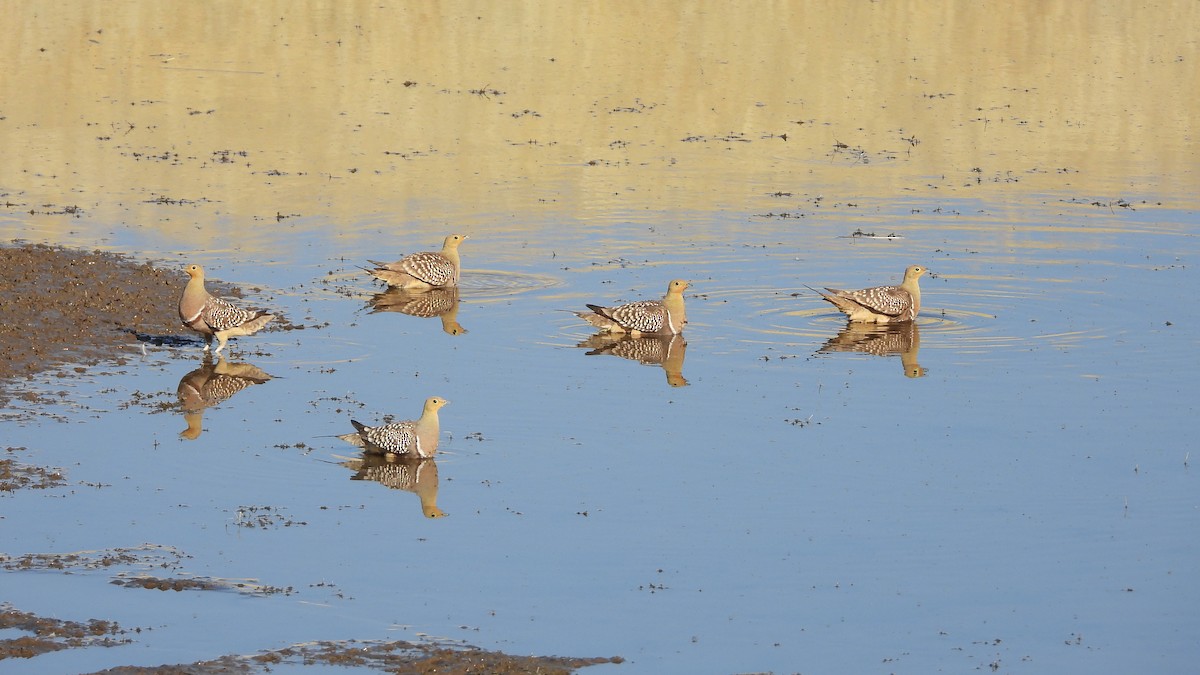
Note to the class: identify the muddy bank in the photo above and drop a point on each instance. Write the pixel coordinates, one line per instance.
(43, 635)
(82, 308)
(36, 635)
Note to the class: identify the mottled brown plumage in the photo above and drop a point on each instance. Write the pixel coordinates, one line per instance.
(645, 317)
(211, 316)
(881, 304)
(417, 438)
(428, 269)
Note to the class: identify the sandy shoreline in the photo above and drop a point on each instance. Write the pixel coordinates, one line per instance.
(76, 308)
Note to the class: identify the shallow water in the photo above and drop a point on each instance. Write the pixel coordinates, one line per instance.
(1008, 486)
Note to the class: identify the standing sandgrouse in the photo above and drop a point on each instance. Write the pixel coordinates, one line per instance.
(429, 269)
(881, 304)
(209, 315)
(409, 438)
(645, 317)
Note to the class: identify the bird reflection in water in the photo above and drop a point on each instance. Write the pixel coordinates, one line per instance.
(427, 304)
(886, 339)
(210, 384)
(411, 474)
(666, 351)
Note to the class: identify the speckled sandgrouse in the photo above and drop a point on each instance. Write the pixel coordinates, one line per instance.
(417, 438)
(428, 269)
(209, 315)
(881, 304)
(645, 317)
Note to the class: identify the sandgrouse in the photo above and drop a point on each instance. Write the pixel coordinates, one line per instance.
(881, 304)
(209, 315)
(428, 269)
(645, 317)
(410, 438)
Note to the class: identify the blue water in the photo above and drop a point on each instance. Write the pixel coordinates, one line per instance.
(1027, 502)
(1007, 486)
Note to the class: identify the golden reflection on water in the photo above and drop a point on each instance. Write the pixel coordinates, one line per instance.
(212, 384)
(900, 339)
(667, 351)
(439, 303)
(205, 118)
(418, 475)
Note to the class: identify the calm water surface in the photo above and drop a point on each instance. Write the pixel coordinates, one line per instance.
(1007, 485)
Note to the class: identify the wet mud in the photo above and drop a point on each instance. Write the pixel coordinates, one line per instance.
(16, 475)
(73, 308)
(43, 635)
(396, 656)
(77, 311)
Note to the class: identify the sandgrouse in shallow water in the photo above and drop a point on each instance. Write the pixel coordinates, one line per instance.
(211, 316)
(417, 438)
(881, 304)
(428, 269)
(645, 317)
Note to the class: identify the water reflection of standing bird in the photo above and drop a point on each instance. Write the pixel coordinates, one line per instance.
(658, 350)
(211, 384)
(433, 302)
(881, 340)
(428, 269)
(411, 474)
(881, 304)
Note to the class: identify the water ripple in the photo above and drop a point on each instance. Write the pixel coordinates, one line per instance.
(477, 285)
(494, 284)
(978, 322)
